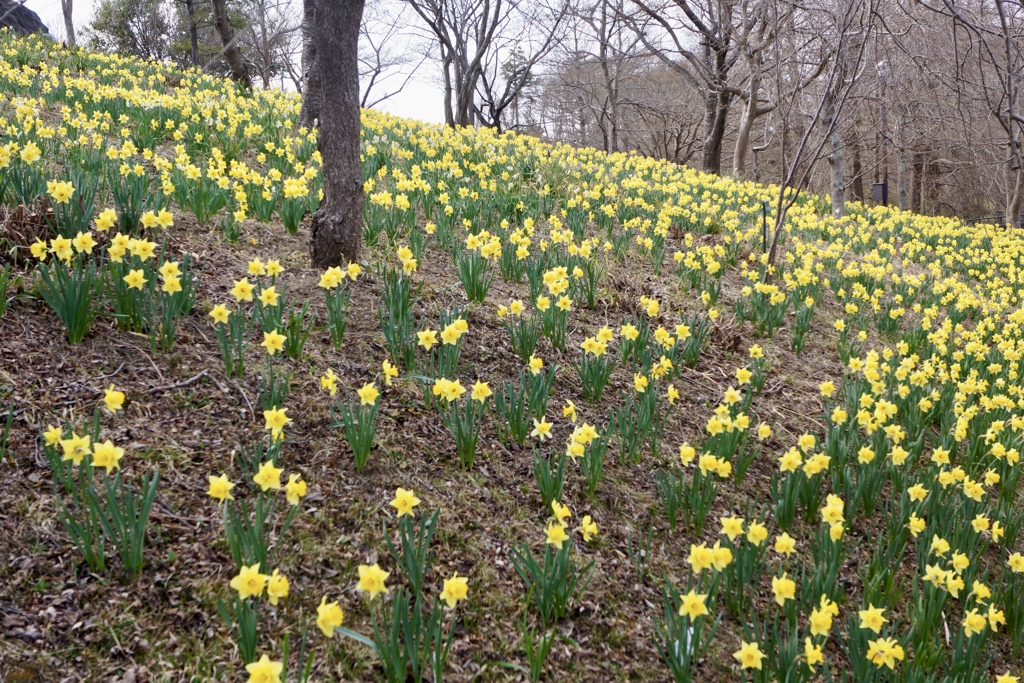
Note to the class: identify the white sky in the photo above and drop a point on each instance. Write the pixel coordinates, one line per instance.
(420, 99)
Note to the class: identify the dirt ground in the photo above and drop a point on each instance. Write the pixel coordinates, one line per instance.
(60, 622)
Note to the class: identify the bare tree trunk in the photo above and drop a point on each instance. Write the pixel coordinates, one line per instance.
(611, 110)
(926, 187)
(739, 159)
(465, 87)
(716, 108)
(835, 141)
(227, 37)
(264, 47)
(613, 114)
(69, 23)
(902, 176)
(858, 170)
(1013, 197)
(835, 161)
(449, 114)
(710, 108)
(338, 223)
(193, 31)
(312, 91)
(917, 191)
(884, 133)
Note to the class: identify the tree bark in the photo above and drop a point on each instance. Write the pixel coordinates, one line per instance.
(917, 191)
(446, 63)
(835, 161)
(716, 109)
(338, 223)
(717, 105)
(739, 159)
(193, 31)
(858, 171)
(902, 176)
(835, 156)
(1013, 197)
(69, 23)
(312, 90)
(466, 77)
(611, 109)
(267, 56)
(227, 37)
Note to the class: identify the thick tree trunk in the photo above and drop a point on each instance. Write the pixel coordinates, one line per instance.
(312, 90)
(227, 37)
(338, 223)
(716, 109)
(465, 88)
(69, 23)
(710, 108)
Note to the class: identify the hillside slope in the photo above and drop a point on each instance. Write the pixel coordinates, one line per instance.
(799, 448)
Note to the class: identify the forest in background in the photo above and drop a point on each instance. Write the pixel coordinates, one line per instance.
(929, 103)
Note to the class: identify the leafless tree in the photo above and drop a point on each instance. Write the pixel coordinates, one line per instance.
(229, 40)
(844, 31)
(193, 28)
(269, 37)
(386, 64)
(465, 31)
(512, 63)
(482, 74)
(995, 43)
(697, 41)
(603, 51)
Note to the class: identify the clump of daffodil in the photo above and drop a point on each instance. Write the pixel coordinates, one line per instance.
(554, 579)
(78, 463)
(358, 418)
(338, 299)
(462, 417)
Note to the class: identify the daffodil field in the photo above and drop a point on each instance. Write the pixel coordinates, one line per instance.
(564, 421)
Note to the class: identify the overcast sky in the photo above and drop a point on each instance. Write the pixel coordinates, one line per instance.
(420, 99)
